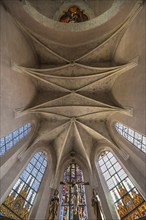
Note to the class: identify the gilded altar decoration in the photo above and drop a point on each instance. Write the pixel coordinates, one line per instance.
(74, 14)
(53, 206)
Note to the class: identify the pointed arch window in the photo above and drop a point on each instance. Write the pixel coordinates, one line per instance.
(9, 141)
(128, 202)
(73, 173)
(137, 139)
(20, 200)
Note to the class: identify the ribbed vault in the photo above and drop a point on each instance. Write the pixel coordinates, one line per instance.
(74, 91)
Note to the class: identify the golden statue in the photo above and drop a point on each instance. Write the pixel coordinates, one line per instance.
(53, 206)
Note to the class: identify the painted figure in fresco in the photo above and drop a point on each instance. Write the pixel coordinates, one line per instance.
(53, 206)
(74, 15)
(96, 205)
(75, 185)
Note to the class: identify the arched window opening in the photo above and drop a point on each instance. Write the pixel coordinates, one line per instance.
(137, 139)
(21, 198)
(9, 141)
(128, 202)
(73, 173)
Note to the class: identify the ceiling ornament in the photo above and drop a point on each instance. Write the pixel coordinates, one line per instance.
(74, 14)
(83, 5)
(101, 52)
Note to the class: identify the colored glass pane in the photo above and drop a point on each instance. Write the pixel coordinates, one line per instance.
(21, 198)
(129, 203)
(73, 173)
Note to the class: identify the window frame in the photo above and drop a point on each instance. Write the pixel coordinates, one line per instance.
(108, 190)
(24, 183)
(131, 138)
(16, 134)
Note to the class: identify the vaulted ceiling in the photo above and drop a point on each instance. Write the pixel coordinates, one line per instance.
(74, 75)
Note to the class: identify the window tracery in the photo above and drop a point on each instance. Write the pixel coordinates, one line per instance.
(20, 200)
(137, 139)
(128, 202)
(73, 173)
(9, 141)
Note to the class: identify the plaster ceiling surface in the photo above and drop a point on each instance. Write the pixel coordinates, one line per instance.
(49, 8)
(74, 90)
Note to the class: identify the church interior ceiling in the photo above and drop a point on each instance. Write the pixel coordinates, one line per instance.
(74, 82)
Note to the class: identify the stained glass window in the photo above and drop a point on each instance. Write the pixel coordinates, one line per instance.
(73, 173)
(21, 198)
(128, 202)
(137, 139)
(9, 141)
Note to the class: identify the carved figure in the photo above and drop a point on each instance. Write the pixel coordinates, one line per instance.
(53, 206)
(96, 205)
